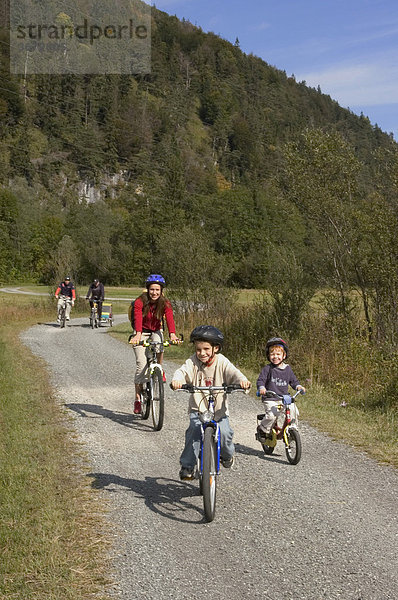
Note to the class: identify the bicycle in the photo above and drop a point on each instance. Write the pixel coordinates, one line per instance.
(208, 462)
(62, 310)
(287, 432)
(152, 394)
(94, 316)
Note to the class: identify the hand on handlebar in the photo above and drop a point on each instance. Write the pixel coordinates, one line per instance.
(176, 385)
(135, 339)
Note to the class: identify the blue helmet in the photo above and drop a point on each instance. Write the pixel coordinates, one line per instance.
(155, 278)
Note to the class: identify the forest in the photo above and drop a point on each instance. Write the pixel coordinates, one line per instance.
(216, 169)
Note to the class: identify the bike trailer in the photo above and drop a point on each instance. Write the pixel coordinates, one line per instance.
(107, 316)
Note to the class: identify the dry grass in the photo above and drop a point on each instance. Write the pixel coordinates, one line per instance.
(52, 541)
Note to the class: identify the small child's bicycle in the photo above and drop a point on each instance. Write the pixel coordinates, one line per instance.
(208, 464)
(286, 432)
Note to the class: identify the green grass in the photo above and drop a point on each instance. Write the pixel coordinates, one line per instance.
(125, 293)
(50, 545)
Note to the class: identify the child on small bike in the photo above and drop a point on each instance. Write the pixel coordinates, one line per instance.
(207, 367)
(275, 377)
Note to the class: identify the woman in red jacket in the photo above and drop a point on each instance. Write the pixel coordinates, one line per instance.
(148, 312)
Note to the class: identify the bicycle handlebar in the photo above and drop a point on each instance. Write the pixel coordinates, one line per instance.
(271, 394)
(148, 343)
(227, 388)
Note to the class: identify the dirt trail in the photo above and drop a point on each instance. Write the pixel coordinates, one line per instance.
(326, 528)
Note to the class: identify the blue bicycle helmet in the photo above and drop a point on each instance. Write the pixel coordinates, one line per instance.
(155, 278)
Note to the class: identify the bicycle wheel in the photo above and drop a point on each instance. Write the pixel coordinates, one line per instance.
(209, 482)
(157, 400)
(293, 450)
(63, 317)
(145, 402)
(268, 449)
(92, 320)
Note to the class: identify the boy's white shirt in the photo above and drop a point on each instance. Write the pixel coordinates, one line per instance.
(221, 371)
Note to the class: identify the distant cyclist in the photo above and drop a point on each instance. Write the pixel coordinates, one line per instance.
(146, 316)
(96, 293)
(66, 289)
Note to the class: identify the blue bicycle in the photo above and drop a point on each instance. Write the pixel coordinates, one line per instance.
(208, 463)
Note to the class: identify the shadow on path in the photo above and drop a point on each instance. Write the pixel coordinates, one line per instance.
(125, 419)
(276, 456)
(166, 497)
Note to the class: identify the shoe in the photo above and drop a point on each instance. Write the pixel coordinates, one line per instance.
(137, 407)
(67, 318)
(164, 377)
(186, 474)
(262, 436)
(58, 321)
(228, 462)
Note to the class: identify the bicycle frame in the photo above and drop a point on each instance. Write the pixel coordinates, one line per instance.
(62, 308)
(94, 315)
(207, 420)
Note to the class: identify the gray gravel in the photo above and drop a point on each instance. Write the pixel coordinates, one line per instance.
(325, 528)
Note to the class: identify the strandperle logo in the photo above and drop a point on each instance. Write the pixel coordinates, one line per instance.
(91, 32)
(107, 37)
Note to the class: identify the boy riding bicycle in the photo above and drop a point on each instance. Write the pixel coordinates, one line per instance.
(207, 367)
(275, 377)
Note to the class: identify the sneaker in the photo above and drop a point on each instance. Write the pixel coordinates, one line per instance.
(228, 462)
(137, 407)
(67, 318)
(58, 321)
(186, 473)
(164, 377)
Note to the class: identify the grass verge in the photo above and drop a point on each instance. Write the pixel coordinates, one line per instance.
(51, 542)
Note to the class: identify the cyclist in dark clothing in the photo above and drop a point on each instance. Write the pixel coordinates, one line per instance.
(96, 293)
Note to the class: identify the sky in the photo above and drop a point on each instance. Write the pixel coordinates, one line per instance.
(347, 47)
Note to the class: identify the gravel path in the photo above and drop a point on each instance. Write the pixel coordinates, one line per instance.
(326, 528)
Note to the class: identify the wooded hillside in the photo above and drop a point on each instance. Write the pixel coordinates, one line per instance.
(215, 166)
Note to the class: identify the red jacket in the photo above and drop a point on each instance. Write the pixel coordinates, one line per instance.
(150, 321)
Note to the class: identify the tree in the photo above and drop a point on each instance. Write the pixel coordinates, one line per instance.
(322, 179)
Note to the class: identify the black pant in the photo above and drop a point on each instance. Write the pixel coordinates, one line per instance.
(99, 307)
